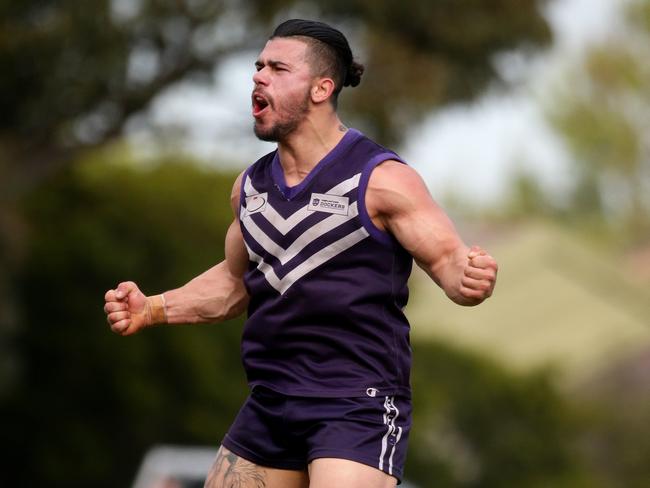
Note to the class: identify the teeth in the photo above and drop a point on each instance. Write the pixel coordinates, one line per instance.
(259, 103)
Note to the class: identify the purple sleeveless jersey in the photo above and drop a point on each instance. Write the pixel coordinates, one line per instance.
(327, 287)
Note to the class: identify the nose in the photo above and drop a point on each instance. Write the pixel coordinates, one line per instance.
(260, 78)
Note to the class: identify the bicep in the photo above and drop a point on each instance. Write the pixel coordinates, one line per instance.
(407, 210)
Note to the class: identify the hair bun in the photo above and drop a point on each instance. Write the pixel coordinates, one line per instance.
(353, 76)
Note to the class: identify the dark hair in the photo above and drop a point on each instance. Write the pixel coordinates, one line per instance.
(330, 51)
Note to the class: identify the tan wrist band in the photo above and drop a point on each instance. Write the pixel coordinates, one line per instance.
(158, 309)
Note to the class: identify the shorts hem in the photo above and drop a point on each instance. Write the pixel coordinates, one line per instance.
(245, 453)
(354, 456)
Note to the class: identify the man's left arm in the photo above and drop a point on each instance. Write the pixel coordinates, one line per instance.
(399, 202)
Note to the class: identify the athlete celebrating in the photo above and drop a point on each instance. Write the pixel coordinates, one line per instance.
(319, 252)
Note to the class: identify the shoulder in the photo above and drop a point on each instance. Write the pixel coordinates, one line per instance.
(395, 191)
(368, 153)
(393, 171)
(392, 185)
(235, 192)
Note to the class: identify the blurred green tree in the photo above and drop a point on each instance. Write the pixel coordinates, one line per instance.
(421, 54)
(84, 404)
(617, 446)
(601, 111)
(478, 425)
(74, 71)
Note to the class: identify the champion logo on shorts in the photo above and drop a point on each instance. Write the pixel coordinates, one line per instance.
(372, 392)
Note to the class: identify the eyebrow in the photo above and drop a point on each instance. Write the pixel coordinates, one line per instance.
(272, 63)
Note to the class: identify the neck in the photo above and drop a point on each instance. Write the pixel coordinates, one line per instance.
(301, 151)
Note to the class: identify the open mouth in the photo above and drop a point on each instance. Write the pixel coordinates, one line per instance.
(260, 104)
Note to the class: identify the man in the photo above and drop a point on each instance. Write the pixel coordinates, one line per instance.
(319, 251)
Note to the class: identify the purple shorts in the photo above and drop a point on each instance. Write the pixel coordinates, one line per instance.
(288, 432)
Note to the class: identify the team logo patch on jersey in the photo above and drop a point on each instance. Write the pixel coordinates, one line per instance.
(333, 204)
(256, 203)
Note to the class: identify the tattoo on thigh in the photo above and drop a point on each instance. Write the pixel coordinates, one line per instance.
(231, 471)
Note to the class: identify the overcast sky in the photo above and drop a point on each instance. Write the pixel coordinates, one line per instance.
(470, 150)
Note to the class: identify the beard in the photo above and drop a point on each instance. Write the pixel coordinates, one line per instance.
(295, 114)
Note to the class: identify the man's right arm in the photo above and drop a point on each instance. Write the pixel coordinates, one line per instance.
(216, 295)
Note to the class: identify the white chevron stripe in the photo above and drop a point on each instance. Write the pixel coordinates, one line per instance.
(285, 225)
(306, 238)
(313, 262)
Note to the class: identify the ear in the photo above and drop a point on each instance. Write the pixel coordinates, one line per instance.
(322, 89)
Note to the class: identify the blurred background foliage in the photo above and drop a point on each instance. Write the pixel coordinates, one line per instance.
(84, 405)
(79, 213)
(79, 70)
(606, 125)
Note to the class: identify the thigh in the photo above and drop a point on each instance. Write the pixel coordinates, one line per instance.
(232, 471)
(329, 472)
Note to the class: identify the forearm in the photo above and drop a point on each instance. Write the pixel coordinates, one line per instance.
(211, 297)
(448, 270)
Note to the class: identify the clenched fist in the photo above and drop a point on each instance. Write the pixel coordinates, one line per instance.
(479, 276)
(128, 310)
